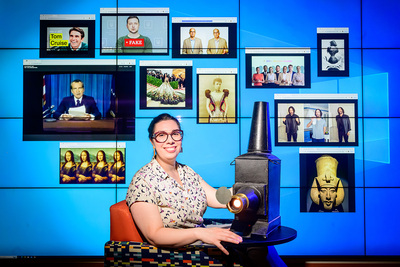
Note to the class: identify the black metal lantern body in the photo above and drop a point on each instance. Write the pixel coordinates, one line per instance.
(257, 182)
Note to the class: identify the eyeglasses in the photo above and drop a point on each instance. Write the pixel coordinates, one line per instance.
(161, 136)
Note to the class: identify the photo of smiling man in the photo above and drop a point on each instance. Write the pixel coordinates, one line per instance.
(76, 37)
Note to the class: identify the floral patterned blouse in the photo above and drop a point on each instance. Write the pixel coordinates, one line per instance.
(180, 207)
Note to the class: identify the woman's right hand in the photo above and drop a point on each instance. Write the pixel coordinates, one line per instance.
(215, 235)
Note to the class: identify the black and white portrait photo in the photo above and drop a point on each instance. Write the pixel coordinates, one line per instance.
(333, 52)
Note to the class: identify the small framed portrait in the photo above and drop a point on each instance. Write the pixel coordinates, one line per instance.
(333, 51)
(166, 84)
(327, 180)
(134, 31)
(217, 95)
(204, 37)
(92, 163)
(67, 36)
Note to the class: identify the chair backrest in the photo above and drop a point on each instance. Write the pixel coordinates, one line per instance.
(122, 226)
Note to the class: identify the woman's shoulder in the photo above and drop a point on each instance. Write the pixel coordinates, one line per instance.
(150, 169)
(187, 169)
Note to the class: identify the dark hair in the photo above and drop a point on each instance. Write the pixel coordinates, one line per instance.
(161, 117)
(104, 156)
(87, 155)
(290, 108)
(72, 156)
(217, 80)
(77, 29)
(77, 81)
(120, 155)
(132, 17)
(338, 110)
(320, 112)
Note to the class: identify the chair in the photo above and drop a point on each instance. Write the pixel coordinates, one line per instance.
(128, 248)
(122, 226)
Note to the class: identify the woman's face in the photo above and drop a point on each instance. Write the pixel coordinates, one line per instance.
(68, 156)
(258, 70)
(170, 149)
(271, 69)
(83, 156)
(117, 156)
(318, 113)
(100, 156)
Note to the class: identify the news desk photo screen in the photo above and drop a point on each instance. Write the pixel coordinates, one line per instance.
(204, 37)
(166, 84)
(278, 68)
(216, 95)
(134, 31)
(79, 100)
(67, 36)
(92, 163)
(327, 180)
(316, 120)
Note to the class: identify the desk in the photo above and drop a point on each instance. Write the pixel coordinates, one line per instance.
(279, 236)
(104, 125)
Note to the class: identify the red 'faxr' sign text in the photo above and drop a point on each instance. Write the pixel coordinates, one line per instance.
(134, 42)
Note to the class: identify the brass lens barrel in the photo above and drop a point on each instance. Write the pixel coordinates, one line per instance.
(244, 203)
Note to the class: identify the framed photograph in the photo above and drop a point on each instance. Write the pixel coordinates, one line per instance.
(333, 51)
(278, 68)
(316, 119)
(134, 31)
(216, 95)
(166, 84)
(204, 37)
(327, 180)
(67, 36)
(92, 163)
(79, 100)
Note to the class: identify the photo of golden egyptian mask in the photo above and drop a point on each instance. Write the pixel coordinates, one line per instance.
(327, 182)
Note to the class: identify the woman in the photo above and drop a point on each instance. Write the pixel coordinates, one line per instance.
(84, 169)
(68, 169)
(217, 103)
(271, 77)
(100, 169)
(168, 199)
(166, 94)
(117, 169)
(258, 78)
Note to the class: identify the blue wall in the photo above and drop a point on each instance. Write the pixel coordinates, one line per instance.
(42, 217)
